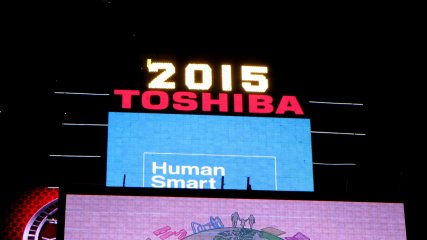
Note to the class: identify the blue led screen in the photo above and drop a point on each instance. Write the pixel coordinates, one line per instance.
(163, 150)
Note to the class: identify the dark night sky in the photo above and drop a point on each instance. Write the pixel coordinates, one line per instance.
(330, 53)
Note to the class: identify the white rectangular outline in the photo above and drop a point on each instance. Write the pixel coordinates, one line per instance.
(203, 154)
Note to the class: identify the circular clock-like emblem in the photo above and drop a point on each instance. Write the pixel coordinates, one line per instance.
(42, 226)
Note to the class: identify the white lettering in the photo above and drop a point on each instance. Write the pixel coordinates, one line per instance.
(161, 182)
(226, 77)
(175, 183)
(212, 183)
(193, 183)
(219, 168)
(190, 78)
(254, 79)
(206, 171)
(158, 180)
(166, 168)
(189, 169)
(160, 81)
(163, 168)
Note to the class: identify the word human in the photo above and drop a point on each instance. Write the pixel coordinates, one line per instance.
(160, 181)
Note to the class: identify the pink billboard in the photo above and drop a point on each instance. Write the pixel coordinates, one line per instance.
(220, 218)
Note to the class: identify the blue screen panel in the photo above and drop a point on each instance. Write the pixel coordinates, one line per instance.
(194, 151)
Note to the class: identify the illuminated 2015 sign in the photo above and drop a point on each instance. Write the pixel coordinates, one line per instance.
(254, 78)
(198, 77)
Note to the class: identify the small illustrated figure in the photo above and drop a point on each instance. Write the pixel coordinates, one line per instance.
(251, 220)
(243, 222)
(234, 218)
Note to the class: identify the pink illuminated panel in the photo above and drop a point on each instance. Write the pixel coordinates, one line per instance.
(148, 217)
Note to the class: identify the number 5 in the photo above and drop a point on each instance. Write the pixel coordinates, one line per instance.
(254, 79)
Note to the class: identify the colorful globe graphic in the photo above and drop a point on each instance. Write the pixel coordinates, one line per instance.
(232, 234)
